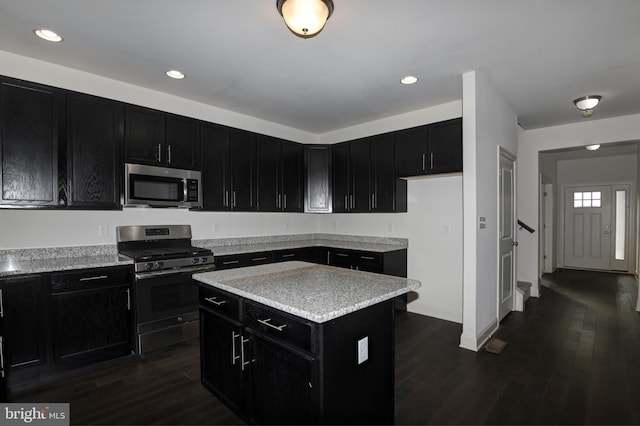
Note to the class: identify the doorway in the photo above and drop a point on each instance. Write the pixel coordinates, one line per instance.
(506, 238)
(597, 227)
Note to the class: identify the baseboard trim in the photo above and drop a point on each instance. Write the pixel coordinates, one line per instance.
(474, 343)
(434, 311)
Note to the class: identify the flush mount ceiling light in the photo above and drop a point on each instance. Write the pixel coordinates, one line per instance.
(586, 104)
(408, 79)
(305, 18)
(178, 75)
(592, 147)
(47, 35)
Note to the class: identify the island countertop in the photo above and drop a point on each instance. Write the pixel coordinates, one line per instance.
(314, 292)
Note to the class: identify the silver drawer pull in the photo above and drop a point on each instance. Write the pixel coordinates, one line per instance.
(214, 301)
(342, 254)
(234, 357)
(256, 259)
(288, 255)
(99, 277)
(267, 322)
(367, 257)
(230, 262)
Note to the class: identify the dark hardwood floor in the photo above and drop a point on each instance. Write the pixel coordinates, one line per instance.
(572, 358)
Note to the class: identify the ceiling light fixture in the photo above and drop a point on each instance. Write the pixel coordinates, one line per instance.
(586, 104)
(47, 35)
(592, 147)
(408, 79)
(305, 18)
(175, 74)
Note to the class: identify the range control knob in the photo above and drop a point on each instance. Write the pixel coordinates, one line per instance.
(158, 265)
(195, 260)
(148, 266)
(203, 260)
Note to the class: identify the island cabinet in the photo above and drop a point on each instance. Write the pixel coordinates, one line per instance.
(229, 169)
(272, 367)
(430, 149)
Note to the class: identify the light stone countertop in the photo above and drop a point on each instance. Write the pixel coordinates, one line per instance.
(317, 293)
(35, 266)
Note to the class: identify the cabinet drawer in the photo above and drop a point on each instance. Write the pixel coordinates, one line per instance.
(280, 326)
(90, 278)
(287, 255)
(240, 260)
(220, 301)
(367, 261)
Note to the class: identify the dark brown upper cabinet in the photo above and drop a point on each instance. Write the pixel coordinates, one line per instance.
(30, 127)
(280, 168)
(351, 176)
(95, 135)
(160, 139)
(388, 193)
(435, 148)
(317, 175)
(229, 168)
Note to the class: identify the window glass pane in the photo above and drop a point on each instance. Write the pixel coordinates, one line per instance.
(621, 225)
(577, 203)
(596, 195)
(577, 195)
(587, 203)
(586, 195)
(596, 203)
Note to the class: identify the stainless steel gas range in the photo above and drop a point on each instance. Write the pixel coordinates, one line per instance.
(165, 295)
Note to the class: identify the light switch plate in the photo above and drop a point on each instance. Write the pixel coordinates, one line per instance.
(363, 349)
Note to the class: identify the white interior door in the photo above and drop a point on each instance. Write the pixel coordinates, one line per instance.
(507, 241)
(587, 227)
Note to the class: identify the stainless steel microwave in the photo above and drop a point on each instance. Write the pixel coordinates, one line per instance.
(161, 187)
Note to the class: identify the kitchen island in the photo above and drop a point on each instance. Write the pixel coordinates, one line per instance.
(300, 343)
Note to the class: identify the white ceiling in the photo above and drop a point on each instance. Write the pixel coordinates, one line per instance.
(238, 55)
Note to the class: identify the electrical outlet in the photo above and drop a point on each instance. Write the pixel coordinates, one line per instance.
(215, 227)
(390, 227)
(102, 230)
(286, 226)
(363, 349)
(446, 229)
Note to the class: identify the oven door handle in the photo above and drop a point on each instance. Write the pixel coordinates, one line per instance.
(185, 271)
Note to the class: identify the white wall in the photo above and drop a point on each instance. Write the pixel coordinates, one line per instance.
(434, 207)
(435, 258)
(488, 123)
(530, 143)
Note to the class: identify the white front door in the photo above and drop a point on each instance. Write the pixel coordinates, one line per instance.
(506, 236)
(587, 227)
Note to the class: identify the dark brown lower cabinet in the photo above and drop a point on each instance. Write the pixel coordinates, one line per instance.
(91, 315)
(271, 367)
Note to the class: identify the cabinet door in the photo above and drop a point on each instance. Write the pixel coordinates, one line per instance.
(29, 126)
(242, 147)
(220, 358)
(445, 147)
(360, 166)
(91, 325)
(182, 143)
(23, 307)
(144, 136)
(268, 165)
(281, 385)
(317, 194)
(341, 258)
(292, 177)
(341, 178)
(216, 173)
(383, 176)
(411, 151)
(94, 144)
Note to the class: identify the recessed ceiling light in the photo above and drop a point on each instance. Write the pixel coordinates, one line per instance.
(408, 79)
(592, 147)
(178, 75)
(47, 35)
